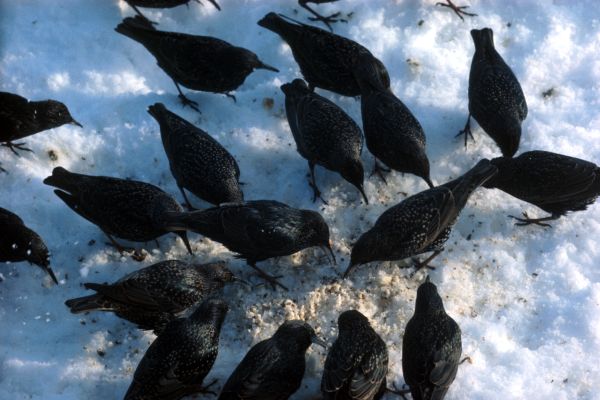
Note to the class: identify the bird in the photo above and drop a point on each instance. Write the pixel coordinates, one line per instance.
(421, 223)
(392, 132)
(324, 135)
(198, 162)
(19, 243)
(553, 182)
(326, 60)
(257, 230)
(431, 347)
(496, 99)
(357, 363)
(273, 369)
(20, 118)
(201, 63)
(177, 362)
(458, 10)
(162, 4)
(333, 18)
(153, 296)
(127, 209)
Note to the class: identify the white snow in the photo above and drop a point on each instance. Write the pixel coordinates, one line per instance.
(527, 299)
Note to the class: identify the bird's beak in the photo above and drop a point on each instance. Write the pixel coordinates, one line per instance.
(76, 123)
(427, 279)
(51, 273)
(318, 341)
(330, 250)
(183, 236)
(242, 281)
(362, 191)
(348, 270)
(262, 65)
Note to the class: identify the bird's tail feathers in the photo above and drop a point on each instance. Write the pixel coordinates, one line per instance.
(136, 28)
(87, 303)
(63, 179)
(471, 180)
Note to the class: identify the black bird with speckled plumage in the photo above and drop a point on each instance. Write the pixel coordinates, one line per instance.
(324, 135)
(257, 230)
(19, 243)
(553, 182)
(162, 4)
(153, 296)
(273, 369)
(20, 118)
(326, 60)
(357, 363)
(431, 347)
(127, 209)
(496, 99)
(177, 362)
(198, 162)
(421, 223)
(200, 63)
(392, 132)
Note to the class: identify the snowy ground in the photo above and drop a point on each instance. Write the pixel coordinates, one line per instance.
(527, 299)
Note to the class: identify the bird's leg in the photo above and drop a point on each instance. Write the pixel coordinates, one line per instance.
(425, 263)
(184, 100)
(269, 278)
(187, 201)
(458, 10)
(379, 169)
(231, 97)
(467, 358)
(313, 184)
(399, 392)
(536, 221)
(3, 170)
(142, 15)
(206, 389)
(19, 146)
(136, 255)
(466, 131)
(333, 18)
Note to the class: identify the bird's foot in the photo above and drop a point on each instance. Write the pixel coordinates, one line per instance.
(467, 358)
(136, 254)
(187, 102)
(231, 97)
(458, 10)
(18, 146)
(419, 265)
(467, 133)
(400, 392)
(536, 221)
(273, 280)
(379, 170)
(331, 19)
(206, 389)
(317, 193)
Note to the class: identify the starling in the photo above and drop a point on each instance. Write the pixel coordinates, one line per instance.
(324, 135)
(431, 347)
(200, 63)
(127, 209)
(458, 10)
(19, 243)
(333, 18)
(421, 223)
(496, 99)
(20, 118)
(392, 133)
(273, 369)
(326, 60)
(553, 182)
(153, 296)
(198, 162)
(161, 4)
(177, 362)
(257, 230)
(357, 364)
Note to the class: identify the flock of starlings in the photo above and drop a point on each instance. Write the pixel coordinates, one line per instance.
(177, 362)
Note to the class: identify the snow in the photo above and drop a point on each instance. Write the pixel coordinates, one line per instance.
(527, 299)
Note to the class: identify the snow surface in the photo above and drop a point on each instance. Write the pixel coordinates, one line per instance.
(527, 299)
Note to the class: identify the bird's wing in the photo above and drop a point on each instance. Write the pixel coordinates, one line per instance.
(367, 380)
(498, 92)
(340, 365)
(136, 294)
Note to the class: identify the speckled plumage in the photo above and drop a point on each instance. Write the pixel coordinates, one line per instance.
(392, 132)
(127, 209)
(272, 369)
(19, 243)
(198, 162)
(421, 223)
(496, 99)
(324, 134)
(257, 230)
(153, 296)
(431, 347)
(326, 60)
(357, 363)
(553, 182)
(197, 62)
(177, 362)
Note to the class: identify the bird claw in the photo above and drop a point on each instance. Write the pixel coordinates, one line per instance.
(317, 193)
(273, 280)
(18, 146)
(379, 170)
(528, 221)
(187, 102)
(458, 10)
(332, 19)
(3, 170)
(400, 392)
(467, 132)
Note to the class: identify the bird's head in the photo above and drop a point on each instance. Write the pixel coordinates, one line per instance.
(428, 299)
(371, 75)
(352, 171)
(362, 252)
(295, 89)
(38, 254)
(297, 335)
(315, 231)
(57, 113)
(351, 320)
